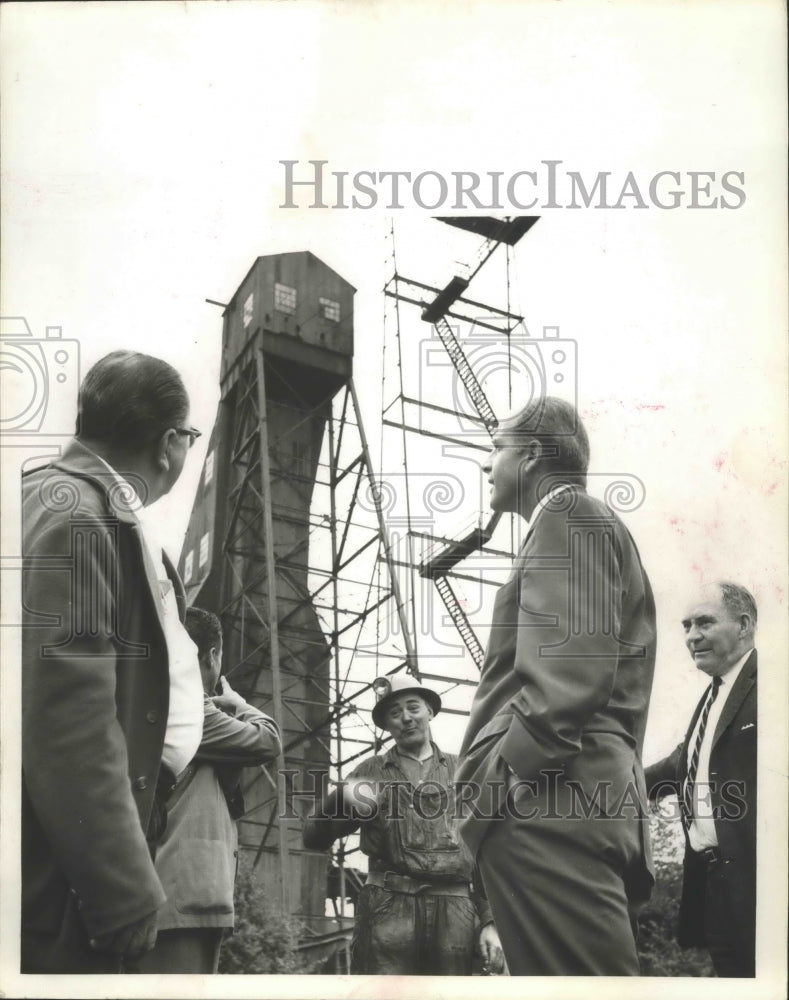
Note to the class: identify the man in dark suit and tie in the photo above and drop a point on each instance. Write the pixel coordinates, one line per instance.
(550, 781)
(713, 773)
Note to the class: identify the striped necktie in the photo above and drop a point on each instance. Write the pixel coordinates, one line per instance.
(693, 763)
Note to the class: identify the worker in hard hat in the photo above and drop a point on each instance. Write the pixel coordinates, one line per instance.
(419, 912)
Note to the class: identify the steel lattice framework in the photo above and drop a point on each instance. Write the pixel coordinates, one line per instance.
(315, 571)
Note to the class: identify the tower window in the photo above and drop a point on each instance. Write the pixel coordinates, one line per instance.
(329, 309)
(249, 305)
(203, 554)
(188, 567)
(284, 299)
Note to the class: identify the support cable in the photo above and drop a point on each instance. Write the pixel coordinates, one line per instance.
(404, 436)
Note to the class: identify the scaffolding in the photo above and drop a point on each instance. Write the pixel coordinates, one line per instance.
(323, 571)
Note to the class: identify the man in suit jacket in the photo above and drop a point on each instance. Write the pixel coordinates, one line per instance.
(550, 781)
(713, 773)
(110, 687)
(196, 859)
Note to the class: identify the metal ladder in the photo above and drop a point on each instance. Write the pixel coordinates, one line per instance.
(467, 376)
(458, 616)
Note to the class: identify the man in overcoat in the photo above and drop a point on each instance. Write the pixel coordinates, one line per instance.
(549, 778)
(112, 702)
(713, 774)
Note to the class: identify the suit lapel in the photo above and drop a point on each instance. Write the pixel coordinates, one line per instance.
(742, 686)
(151, 575)
(80, 461)
(178, 587)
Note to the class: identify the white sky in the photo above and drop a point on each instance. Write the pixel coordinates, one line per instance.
(140, 168)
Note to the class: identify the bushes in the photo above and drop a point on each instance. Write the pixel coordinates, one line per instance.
(264, 940)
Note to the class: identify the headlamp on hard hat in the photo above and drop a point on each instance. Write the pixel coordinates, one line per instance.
(382, 687)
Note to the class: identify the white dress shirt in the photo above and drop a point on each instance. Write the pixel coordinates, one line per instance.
(701, 832)
(185, 716)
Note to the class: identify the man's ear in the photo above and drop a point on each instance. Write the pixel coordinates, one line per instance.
(532, 450)
(163, 446)
(746, 625)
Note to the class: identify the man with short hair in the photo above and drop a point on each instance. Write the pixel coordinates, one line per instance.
(417, 913)
(713, 774)
(111, 693)
(549, 777)
(196, 859)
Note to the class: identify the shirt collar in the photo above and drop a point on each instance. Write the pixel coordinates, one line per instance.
(419, 760)
(393, 752)
(554, 491)
(128, 498)
(731, 676)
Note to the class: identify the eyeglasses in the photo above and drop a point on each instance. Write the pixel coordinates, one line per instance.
(190, 432)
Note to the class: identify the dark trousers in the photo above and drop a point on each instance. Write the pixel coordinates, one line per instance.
(730, 933)
(396, 933)
(184, 949)
(560, 891)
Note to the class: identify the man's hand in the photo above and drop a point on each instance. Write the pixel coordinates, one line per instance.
(362, 796)
(228, 701)
(129, 942)
(490, 949)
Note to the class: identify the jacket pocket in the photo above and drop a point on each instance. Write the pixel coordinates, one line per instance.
(205, 877)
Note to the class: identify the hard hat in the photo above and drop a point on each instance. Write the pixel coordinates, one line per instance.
(387, 688)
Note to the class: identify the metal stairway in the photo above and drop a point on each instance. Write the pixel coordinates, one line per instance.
(467, 377)
(439, 565)
(461, 622)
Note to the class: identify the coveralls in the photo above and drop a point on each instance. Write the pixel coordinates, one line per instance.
(417, 914)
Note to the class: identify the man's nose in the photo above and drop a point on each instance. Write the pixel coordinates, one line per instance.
(693, 635)
(487, 464)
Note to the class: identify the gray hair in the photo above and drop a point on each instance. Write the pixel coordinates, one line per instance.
(558, 427)
(737, 600)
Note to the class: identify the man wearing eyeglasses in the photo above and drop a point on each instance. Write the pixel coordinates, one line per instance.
(112, 699)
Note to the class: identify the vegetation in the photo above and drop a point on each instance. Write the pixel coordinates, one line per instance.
(264, 940)
(657, 944)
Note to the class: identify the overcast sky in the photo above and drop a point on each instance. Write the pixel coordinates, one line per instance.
(141, 174)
